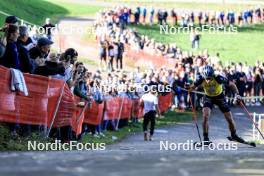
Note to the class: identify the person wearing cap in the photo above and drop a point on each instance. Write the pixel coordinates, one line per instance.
(150, 102)
(42, 49)
(27, 64)
(10, 20)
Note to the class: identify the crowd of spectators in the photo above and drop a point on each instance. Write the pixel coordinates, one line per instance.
(143, 15)
(111, 25)
(22, 53)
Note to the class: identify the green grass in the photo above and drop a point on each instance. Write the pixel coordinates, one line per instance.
(77, 9)
(7, 143)
(245, 45)
(36, 11)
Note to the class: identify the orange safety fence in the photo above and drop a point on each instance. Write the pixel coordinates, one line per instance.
(165, 102)
(51, 103)
(112, 108)
(143, 59)
(137, 109)
(126, 105)
(94, 114)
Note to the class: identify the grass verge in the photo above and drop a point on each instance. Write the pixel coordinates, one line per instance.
(36, 11)
(241, 46)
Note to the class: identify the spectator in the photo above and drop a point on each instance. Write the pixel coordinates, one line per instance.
(103, 54)
(144, 13)
(80, 88)
(110, 57)
(48, 27)
(258, 84)
(11, 58)
(240, 80)
(27, 64)
(68, 59)
(9, 20)
(195, 38)
(50, 67)
(174, 17)
(42, 49)
(118, 52)
(151, 17)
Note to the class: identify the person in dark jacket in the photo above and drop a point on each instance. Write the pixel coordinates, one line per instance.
(11, 57)
(42, 49)
(27, 64)
(118, 53)
(51, 67)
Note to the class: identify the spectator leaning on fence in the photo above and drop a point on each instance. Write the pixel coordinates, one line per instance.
(42, 49)
(27, 64)
(8, 21)
(50, 67)
(11, 57)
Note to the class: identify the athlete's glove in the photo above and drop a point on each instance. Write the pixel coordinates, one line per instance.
(187, 86)
(237, 99)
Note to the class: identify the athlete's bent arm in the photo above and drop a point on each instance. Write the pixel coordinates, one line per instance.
(234, 89)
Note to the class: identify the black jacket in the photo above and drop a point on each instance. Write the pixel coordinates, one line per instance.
(49, 69)
(26, 63)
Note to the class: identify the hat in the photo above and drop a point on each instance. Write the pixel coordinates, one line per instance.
(11, 19)
(44, 41)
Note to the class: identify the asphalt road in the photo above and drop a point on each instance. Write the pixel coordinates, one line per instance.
(133, 156)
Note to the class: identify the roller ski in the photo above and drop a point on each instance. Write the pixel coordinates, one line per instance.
(237, 139)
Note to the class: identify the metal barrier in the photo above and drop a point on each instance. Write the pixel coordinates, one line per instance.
(259, 120)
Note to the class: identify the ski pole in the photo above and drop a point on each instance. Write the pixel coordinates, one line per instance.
(195, 117)
(251, 118)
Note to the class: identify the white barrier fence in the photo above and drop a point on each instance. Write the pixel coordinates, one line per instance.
(259, 120)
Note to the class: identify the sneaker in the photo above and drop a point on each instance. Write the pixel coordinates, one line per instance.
(258, 103)
(145, 136)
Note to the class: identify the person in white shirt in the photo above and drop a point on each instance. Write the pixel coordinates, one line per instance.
(150, 102)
